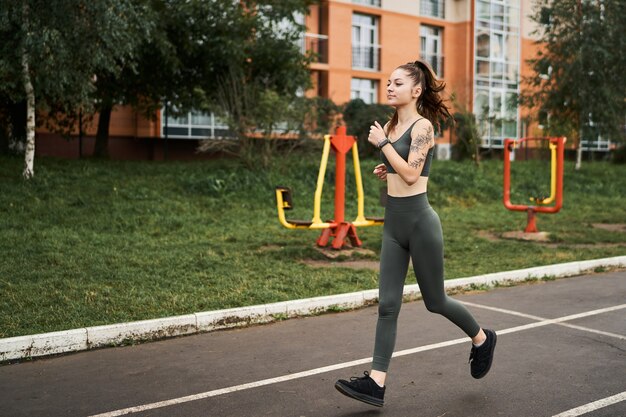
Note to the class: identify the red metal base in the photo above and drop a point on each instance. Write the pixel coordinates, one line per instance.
(339, 232)
(531, 226)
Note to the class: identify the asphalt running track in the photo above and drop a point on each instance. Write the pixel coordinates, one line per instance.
(561, 352)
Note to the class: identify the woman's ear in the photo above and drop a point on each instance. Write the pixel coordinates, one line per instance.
(417, 91)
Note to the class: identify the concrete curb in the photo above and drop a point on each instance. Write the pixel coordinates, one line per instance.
(92, 337)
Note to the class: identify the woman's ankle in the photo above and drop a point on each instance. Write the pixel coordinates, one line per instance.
(379, 377)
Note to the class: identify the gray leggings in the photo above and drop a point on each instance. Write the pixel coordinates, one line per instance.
(412, 228)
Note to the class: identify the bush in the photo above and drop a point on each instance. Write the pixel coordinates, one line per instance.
(619, 155)
(359, 116)
(467, 137)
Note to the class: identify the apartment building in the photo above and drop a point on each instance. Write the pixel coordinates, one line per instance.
(478, 47)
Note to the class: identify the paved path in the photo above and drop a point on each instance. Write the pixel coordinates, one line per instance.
(561, 347)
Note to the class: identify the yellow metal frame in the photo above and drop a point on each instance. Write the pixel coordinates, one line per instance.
(316, 222)
(360, 220)
(550, 199)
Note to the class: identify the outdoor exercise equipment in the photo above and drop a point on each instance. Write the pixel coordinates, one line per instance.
(557, 147)
(338, 227)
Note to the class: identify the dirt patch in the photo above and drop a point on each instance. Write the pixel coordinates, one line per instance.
(362, 264)
(611, 227)
(543, 239)
(331, 253)
(492, 237)
(532, 237)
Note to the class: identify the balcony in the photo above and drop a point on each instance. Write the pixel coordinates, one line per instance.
(318, 45)
(366, 57)
(373, 3)
(433, 8)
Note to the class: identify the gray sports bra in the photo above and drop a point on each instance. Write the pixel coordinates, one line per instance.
(402, 146)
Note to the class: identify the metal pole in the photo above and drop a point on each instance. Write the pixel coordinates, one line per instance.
(165, 131)
(340, 178)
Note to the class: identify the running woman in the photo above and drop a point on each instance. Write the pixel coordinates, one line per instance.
(412, 228)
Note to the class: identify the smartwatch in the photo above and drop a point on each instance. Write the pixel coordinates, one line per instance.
(383, 143)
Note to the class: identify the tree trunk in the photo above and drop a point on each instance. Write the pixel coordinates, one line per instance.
(101, 149)
(29, 154)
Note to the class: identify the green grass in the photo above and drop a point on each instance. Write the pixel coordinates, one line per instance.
(95, 242)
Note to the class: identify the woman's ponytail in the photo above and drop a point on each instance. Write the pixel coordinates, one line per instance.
(430, 104)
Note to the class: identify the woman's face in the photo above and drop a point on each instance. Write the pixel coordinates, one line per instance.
(401, 89)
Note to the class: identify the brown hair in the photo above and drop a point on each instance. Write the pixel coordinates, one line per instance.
(429, 103)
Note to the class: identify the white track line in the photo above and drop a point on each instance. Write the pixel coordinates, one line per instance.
(529, 316)
(587, 408)
(304, 374)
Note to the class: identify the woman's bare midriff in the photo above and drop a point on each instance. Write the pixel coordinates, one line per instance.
(396, 187)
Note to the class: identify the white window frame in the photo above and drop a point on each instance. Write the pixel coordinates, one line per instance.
(431, 47)
(364, 88)
(433, 8)
(185, 122)
(365, 36)
(372, 3)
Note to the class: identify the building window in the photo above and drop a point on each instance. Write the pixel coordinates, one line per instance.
(433, 8)
(366, 90)
(431, 47)
(365, 47)
(374, 3)
(314, 43)
(496, 70)
(193, 125)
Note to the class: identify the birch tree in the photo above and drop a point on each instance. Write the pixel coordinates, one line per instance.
(51, 51)
(29, 91)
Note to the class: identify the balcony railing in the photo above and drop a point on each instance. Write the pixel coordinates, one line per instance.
(318, 44)
(435, 62)
(366, 57)
(433, 8)
(373, 3)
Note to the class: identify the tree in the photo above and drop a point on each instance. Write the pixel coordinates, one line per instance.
(579, 82)
(198, 47)
(359, 116)
(51, 51)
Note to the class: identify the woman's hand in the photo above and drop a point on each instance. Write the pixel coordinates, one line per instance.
(377, 134)
(381, 172)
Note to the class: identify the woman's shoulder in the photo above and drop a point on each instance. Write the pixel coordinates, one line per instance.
(421, 127)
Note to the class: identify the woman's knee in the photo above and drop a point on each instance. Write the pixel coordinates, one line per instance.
(436, 306)
(388, 307)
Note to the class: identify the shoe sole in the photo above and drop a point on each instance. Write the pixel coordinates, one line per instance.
(493, 348)
(348, 392)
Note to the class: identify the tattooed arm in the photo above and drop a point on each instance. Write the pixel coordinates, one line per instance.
(422, 137)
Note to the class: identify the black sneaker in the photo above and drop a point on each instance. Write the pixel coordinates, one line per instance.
(481, 357)
(363, 389)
